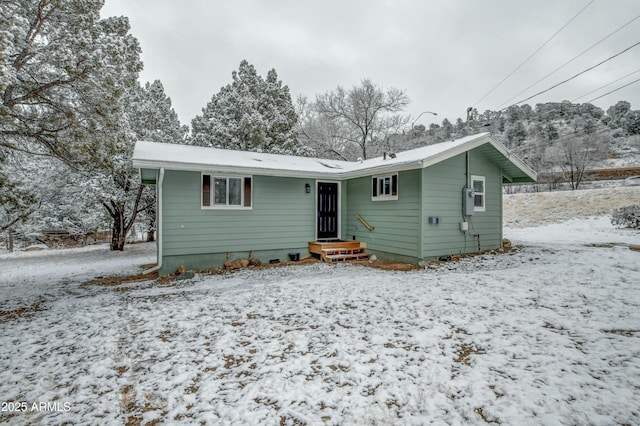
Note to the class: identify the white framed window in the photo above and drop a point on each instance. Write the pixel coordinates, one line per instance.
(479, 199)
(384, 187)
(226, 192)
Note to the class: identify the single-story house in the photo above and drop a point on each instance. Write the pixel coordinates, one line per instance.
(437, 200)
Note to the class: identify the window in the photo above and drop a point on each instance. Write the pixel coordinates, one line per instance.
(226, 191)
(479, 193)
(384, 187)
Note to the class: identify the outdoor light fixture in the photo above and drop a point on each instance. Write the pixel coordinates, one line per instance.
(420, 115)
(307, 188)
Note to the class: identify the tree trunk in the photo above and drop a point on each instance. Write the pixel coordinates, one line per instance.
(10, 241)
(118, 229)
(120, 226)
(151, 235)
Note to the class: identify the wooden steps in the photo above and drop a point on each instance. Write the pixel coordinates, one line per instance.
(339, 251)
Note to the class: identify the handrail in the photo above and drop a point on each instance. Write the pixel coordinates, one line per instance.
(364, 222)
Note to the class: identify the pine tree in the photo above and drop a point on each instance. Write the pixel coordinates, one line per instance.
(151, 116)
(148, 115)
(63, 71)
(250, 114)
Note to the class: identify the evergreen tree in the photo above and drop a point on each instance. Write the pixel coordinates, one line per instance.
(516, 134)
(631, 122)
(63, 71)
(148, 115)
(447, 129)
(250, 114)
(151, 116)
(617, 112)
(18, 200)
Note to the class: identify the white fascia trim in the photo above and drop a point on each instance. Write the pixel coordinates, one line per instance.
(457, 150)
(514, 159)
(231, 170)
(382, 169)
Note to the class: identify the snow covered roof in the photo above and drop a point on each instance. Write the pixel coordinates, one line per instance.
(154, 155)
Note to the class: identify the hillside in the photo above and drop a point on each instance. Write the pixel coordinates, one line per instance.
(541, 208)
(546, 135)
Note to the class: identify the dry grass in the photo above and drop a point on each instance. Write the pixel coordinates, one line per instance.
(529, 209)
(20, 312)
(117, 279)
(622, 332)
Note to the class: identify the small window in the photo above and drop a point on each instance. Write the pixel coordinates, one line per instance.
(479, 193)
(226, 191)
(384, 187)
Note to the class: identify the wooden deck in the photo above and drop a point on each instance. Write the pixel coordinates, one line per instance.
(339, 251)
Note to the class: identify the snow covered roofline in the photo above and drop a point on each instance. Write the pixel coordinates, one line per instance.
(155, 155)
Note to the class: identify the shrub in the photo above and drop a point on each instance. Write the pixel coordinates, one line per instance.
(627, 217)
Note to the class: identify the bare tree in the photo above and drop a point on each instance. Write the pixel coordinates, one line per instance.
(578, 154)
(317, 134)
(363, 115)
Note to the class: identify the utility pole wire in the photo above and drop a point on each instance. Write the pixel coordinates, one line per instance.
(566, 63)
(608, 84)
(577, 75)
(615, 90)
(534, 53)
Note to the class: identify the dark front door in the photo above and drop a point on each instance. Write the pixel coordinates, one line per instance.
(327, 210)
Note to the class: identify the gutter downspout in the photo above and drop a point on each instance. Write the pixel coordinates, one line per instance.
(159, 222)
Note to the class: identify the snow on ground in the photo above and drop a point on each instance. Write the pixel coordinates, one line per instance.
(548, 334)
(29, 275)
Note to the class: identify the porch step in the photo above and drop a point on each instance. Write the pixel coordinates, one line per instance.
(330, 258)
(339, 251)
(342, 250)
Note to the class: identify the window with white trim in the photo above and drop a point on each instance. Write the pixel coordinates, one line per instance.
(226, 192)
(478, 185)
(384, 187)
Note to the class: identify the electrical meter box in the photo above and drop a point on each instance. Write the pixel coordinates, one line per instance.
(467, 201)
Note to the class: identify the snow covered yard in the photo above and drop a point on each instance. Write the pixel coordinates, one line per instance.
(549, 334)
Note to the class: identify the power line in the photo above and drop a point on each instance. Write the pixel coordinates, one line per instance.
(606, 85)
(568, 62)
(615, 90)
(533, 54)
(577, 75)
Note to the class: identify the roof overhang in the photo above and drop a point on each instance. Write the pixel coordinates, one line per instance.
(231, 170)
(150, 156)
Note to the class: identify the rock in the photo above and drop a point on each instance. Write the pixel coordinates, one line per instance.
(185, 276)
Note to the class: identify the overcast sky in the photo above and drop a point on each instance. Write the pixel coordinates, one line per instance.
(446, 54)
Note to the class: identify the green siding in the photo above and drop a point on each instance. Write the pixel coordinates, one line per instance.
(282, 219)
(442, 186)
(396, 221)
